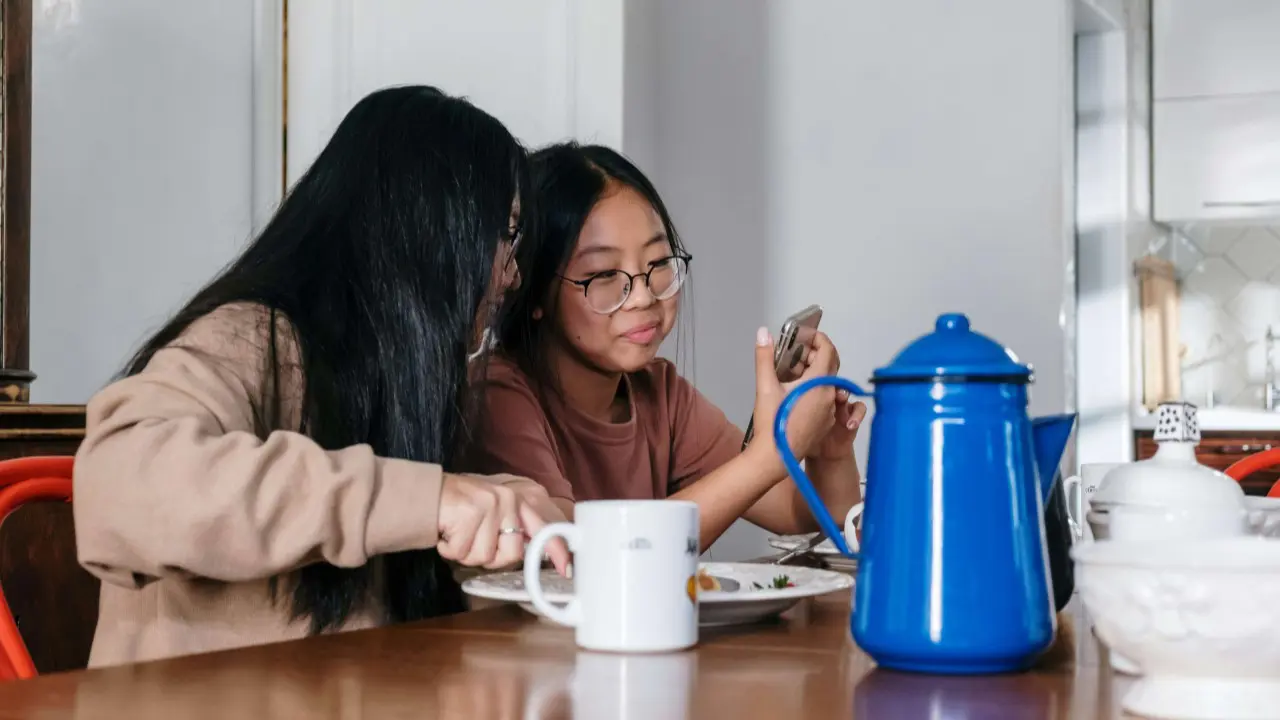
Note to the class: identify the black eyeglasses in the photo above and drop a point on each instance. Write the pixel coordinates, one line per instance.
(609, 290)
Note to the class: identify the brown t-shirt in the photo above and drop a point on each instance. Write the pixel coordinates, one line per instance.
(674, 437)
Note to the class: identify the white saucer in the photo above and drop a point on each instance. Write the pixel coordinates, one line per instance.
(825, 550)
(747, 604)
(787, 543)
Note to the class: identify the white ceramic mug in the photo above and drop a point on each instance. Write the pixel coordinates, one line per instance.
(851, 526)
(635, 565)
(1084, 486)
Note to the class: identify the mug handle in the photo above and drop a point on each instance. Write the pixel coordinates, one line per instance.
(851, 526)
(570, 614)
(1075, 510)
(810, 494)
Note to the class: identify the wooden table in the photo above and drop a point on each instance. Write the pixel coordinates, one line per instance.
(503, 664)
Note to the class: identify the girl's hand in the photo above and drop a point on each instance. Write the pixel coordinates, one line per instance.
(486, 521)
(837, 444)
(812, 417)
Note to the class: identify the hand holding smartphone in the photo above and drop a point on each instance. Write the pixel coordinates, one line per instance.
(788, 353)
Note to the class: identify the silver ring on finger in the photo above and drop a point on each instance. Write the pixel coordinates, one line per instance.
(510, 530)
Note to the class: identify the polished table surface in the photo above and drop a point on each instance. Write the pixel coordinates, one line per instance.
(501, 663)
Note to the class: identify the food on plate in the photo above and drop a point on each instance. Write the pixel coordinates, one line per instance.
(779, 583)
(707, 581)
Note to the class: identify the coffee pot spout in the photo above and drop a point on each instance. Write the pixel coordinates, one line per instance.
(1050, 435)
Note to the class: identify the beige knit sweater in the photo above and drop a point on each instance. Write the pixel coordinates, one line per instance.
(185, 513)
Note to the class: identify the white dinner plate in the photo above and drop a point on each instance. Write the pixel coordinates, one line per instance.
(753, 599)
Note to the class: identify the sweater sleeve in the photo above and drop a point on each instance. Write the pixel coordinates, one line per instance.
(171, 478)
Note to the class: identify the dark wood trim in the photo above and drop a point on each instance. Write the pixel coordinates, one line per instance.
(54, 423)
(15, 235)
(284, 98)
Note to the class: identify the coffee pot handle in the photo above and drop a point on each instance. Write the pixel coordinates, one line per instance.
(819, 509)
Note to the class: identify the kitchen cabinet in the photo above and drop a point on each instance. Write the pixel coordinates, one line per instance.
(1217, 158)
(1213, 48)
(1220, 449)
(1216, 115)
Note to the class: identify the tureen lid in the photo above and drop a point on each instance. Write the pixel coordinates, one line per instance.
(952, 350)
(1173, 477)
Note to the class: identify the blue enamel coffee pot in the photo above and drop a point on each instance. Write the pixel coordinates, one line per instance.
(953, 573)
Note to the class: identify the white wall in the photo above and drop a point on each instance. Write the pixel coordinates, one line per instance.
(1116, 228)
(1104, 268)
(890, 161)
(549, 70)
(156, 144)
(142, 174)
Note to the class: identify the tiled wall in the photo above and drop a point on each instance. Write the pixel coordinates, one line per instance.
(1230, 279)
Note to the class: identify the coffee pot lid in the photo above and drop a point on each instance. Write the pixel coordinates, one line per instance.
(953, 351)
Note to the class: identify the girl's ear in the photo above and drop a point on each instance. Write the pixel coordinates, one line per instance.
(537, 313)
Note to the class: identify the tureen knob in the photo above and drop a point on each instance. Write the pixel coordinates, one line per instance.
(1176, 422)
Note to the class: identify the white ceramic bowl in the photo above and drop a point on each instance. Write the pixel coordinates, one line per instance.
(1200, 618)
(1262, 517)
(1149, 524)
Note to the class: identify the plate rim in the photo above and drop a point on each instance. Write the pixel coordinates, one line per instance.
(839, 582)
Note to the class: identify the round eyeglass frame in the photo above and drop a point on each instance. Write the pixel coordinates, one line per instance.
(631, 283)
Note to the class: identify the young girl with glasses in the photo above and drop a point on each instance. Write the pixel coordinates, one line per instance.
(578, 399)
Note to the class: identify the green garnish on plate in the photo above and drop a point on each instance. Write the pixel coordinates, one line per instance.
(779, 583)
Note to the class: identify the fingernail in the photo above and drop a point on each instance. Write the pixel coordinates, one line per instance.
(853, 424)
(568, 571)
(762, 337)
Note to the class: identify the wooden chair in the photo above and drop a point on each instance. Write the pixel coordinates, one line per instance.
(39, 572)
(1242, 469)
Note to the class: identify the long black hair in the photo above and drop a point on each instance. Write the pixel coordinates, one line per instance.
(379, 259)
(568, 180)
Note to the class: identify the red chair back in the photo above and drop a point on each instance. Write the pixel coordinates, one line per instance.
(1242, 469)
(25, 480)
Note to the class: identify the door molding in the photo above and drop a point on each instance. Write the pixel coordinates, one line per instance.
(269, 83)
(588, 36)
(15, 213)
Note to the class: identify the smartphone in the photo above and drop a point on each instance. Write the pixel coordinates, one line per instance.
(797, 334)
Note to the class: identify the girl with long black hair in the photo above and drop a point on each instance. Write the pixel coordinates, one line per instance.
(275, 461)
